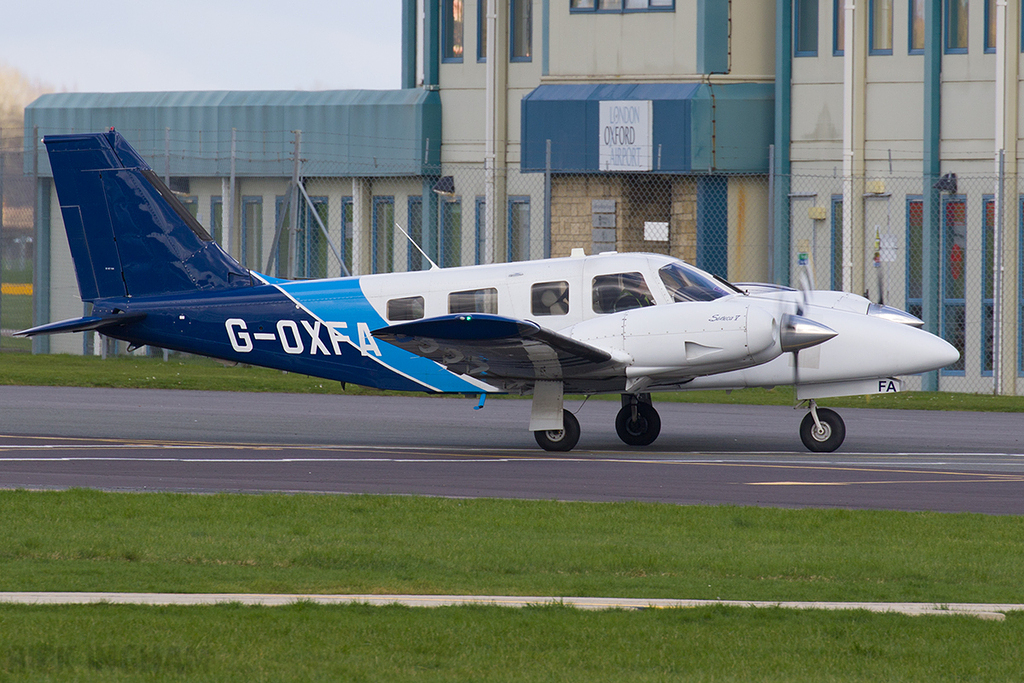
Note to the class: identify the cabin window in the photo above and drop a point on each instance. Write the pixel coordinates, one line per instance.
(550, 298)
(620, 292)
(474, 301)
(407, 308)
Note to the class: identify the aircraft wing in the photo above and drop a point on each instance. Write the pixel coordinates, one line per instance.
(492, 346)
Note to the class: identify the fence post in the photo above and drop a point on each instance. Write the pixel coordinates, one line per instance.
(294, 211)
(771, 211)
(997, 276)
(547, 201)
(41, 270)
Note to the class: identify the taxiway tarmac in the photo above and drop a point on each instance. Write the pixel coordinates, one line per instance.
(747, 455)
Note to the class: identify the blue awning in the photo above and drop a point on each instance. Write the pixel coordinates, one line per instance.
(696, 127)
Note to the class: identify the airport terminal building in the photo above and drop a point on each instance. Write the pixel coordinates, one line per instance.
(760, 141)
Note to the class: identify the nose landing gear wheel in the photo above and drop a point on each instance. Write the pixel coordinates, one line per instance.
(826, 439)
(641, 429)
(564, 439)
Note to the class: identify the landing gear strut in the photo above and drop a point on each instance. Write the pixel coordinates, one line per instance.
(637, 423)
(564, 439)
(822, 430)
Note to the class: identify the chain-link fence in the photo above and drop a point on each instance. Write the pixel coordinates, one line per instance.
(900, 241)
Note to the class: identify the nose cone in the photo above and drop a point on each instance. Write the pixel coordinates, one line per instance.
(799, 333)
(932, 352)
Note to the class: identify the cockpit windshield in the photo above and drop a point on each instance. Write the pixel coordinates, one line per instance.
(686, 283)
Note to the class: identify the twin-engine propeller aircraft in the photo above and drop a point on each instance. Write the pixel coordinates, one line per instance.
(615, 323)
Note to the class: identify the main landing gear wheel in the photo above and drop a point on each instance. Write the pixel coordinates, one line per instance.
(638, 424)
(564, 439)
(828, 437)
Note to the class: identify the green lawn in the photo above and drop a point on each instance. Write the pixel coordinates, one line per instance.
(88, 540)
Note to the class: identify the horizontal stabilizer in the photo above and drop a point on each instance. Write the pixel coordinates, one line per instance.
(84, 324)
(486, 345)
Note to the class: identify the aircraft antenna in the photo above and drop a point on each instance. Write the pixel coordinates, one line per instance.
(433, 266)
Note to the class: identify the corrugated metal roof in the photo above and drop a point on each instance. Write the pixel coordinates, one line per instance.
(344, 132)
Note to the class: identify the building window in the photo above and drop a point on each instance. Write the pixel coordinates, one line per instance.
(414, 226)
(252, 231)
(836, 271)
(915, 234)
(480, 216)
(451, 232)
(988, 232)
(347, 215)
(954, 239)
(805, 29)
(383, 234)
(310, 258)
(880, 20)
(915, 28)
(521, 40)
(838, 27)
(618, 6)
(990, 25)
(1020, 288)
(956, 26)
(518, 228)
(481, 30)
(451, 31)
(217, 219)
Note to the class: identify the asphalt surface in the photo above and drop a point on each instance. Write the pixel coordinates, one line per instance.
(144, 440)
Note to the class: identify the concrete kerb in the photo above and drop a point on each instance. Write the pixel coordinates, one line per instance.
(980, 610)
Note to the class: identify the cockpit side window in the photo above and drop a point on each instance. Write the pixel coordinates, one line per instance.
(689, 284)
(618, 292)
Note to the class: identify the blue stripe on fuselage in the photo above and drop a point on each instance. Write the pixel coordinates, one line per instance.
(343, 301)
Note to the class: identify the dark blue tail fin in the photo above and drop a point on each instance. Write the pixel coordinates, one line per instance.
(129, 234)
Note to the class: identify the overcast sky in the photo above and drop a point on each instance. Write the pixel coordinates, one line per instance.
(140, 45)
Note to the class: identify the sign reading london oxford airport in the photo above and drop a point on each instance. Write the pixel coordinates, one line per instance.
(625, 131)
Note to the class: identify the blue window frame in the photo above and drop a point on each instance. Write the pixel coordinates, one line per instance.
(915, 234)
(520, 30)
(310, 245)
(518, 228)
(452, 34)
(1020, 286)
(915, 27)
(451, 232)
(988, 225)
(990, 26)
(956, 26)
(383, 235)
(480, 215)
(838, 27)
(252, 232)
(481, 30)
(880, 27)
(414, 226)
(347, 217)
(620, 6)
(954, 239)
(805, 28)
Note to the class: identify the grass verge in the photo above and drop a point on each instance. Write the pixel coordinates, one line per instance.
(191, 372)
(359, 643)
(88, 540)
